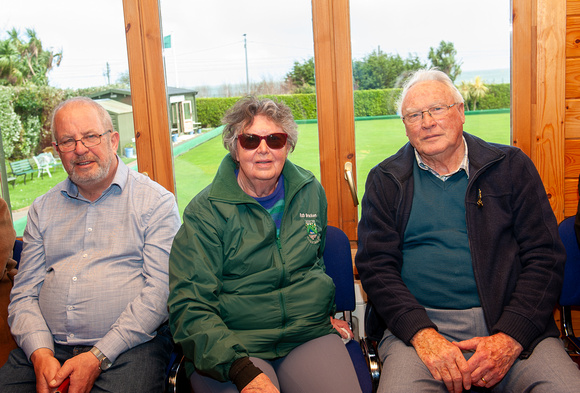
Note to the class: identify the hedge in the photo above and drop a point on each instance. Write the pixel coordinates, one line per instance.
(367, 103)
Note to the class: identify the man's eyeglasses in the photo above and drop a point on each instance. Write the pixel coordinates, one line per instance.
(89, 140)
(436, 112)
(252, 141)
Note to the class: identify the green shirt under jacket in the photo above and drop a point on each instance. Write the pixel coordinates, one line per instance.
(236, 290)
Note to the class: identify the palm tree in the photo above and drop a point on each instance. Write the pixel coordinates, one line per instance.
(465, 90)
(24, 62)
(478, 90)
(9, 62)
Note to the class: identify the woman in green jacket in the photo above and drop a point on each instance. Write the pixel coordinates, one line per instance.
(250, 303)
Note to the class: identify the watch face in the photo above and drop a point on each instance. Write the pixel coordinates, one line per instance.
(105, 364)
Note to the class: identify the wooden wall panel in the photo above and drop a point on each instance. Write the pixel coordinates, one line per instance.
(573, 7)
(548, 141)
(572, 158)
(573, 36)
(571, 197)
(572, 120)
(573, 77)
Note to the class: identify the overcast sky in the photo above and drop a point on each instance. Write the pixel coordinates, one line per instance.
(208, 35)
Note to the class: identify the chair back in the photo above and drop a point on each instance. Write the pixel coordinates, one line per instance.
(17, 251)
(570, 295)
(338, 261)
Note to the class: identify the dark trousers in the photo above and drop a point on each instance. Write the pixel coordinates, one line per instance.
(138, 370)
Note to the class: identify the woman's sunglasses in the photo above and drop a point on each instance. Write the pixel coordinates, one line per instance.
(252, 141)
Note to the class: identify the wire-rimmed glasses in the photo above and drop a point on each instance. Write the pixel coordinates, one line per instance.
(88, 140)
(436, 112)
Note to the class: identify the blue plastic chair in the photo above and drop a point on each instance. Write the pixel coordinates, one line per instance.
(570, 295)
(338, 261)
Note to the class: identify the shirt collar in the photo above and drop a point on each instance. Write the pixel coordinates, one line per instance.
(119, 181)
(463, 166)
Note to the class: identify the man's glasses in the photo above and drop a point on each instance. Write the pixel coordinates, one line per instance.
(252, 141)
(436, 112)
(89, 140)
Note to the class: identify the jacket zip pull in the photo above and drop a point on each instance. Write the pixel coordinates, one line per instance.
(479, 200)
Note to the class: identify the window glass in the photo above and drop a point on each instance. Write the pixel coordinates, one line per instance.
(221, 50)
(87, 41)
(389, 38)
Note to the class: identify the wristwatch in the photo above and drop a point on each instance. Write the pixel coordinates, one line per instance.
(104, 361)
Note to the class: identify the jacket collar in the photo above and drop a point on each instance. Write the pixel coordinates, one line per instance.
(225, 185)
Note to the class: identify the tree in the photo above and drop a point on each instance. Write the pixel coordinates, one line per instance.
(465, 90)
(9, 61)
(123, 78)
(478, 90)
(23, 62)
(302, 76)
(380, 70)
(472, 91)
(444, 59)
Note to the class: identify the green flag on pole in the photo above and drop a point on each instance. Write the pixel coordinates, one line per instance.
(167, 42)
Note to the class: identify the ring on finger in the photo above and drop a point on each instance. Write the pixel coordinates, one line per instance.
(483, 379)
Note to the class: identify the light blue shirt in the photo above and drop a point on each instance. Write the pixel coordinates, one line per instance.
(95, 273)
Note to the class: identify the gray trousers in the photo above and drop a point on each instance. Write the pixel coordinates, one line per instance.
(320, 365)
(548, 370)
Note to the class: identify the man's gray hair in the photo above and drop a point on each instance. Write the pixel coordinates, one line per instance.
(104, 116)
(432, 74)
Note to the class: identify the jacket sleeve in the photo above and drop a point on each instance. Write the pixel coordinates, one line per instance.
(526, 246)
(195, 269)
(379, 258)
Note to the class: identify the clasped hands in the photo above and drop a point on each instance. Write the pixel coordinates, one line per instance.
(492, 358)
(83, 370)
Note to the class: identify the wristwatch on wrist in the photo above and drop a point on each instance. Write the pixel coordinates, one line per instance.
(104, 362)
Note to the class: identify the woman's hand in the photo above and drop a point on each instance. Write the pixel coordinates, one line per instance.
(343, 328)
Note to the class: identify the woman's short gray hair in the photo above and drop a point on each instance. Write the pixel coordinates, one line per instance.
(242, 114)
(424, 75)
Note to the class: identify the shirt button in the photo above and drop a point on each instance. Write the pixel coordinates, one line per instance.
(74, 278)
(85, 255)
(71, 335)
(70, 307)
(90, 229)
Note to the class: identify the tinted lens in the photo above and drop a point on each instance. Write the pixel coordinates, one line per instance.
(252, 141)
(276, 141)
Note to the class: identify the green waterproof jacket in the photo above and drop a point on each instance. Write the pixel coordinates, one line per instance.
(238, 290)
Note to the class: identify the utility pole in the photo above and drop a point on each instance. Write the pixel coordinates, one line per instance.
(247, 78)
(107, 73)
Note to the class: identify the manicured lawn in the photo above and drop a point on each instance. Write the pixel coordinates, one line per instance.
(375, 141)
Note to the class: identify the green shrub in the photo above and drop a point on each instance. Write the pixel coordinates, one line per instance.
(497, 97)
(9, 121)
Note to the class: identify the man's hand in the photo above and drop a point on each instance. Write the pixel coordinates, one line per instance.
(342, 327)
(443, 359)
(260, 384)
(493, 357)
(83, 370)
(45, 368)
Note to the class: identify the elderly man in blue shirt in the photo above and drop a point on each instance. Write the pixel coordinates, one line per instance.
(89, 300)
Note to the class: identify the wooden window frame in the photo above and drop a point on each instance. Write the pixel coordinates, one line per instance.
(538, 95)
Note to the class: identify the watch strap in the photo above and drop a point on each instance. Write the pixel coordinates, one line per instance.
(104, 362)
